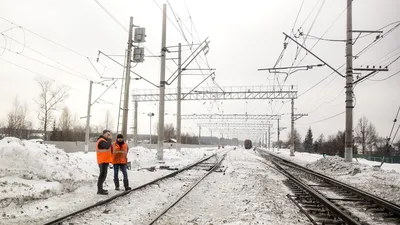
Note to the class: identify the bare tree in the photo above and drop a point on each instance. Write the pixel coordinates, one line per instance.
(169, 131)
(17, 124)
(366, 133)
(49, 98)
(65, 122)
(297, 140)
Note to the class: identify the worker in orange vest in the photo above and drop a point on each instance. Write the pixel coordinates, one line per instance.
(103, 152)
(119, 161)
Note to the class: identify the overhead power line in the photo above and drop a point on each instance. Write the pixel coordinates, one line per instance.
(46, 64)
(45, 38)
(125, 29)
(47, 57)
(34, 72)
(397, 73)
(328, 118)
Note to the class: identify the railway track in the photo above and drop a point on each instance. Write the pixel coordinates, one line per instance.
(325, 200)
(212, 169)
(207, 163)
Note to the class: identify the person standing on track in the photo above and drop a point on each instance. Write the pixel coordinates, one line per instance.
(103, 152)
(119, 161)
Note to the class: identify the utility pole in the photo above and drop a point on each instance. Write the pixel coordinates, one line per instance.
(269, 138)
(150, 132)
(127, 81)
(199, 135)
(279, 132)
(178, 110)
(349, 86)
(135, 115)
(160, 143)
(88, 118)
(150, 115)
(292, 130)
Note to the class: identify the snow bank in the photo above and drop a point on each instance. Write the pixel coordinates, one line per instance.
(30, 171)
(39, 182)
(337, 166)
(304, 158)
(383, 183)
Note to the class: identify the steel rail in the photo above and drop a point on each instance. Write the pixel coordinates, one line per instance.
(394, 208)
(103, 202)
(319, 197)
(217, 164)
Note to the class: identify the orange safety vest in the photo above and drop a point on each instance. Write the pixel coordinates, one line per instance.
(119, 153)
(103, 155)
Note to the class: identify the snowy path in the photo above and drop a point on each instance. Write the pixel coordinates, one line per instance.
(249, 193)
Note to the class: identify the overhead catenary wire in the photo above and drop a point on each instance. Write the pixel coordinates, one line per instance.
(47, 57)
(326, 31)
(180, 29)
(309, 30)
(394, 123)
(45, 38)
(376, 40)
(182, 33)
(394, 137)
(49, 65)
(356, 56)
(125, 29)
(397, 73)
(328, 118)
(34, 72)
(363, 80)
(316, 109)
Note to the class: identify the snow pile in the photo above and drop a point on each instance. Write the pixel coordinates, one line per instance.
(39, 182)
(382, 183)
(337, 166)
(301, 158)
(30, 171)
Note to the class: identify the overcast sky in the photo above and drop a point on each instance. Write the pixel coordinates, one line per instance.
(244, 35)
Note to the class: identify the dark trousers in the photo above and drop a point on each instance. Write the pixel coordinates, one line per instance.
(102, 176)
(117, 167)
(123, 169)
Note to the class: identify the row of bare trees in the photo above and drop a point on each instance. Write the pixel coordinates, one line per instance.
(366, 141)
(67, 128)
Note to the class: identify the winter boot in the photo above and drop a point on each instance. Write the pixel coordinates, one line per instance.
(116, 182)
(102, 192)
(126, 185)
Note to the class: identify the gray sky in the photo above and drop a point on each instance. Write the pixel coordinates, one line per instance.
(244, 35)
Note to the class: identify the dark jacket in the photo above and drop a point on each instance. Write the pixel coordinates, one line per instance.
(104, 144)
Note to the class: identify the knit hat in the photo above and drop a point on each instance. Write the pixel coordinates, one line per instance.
(120, 136)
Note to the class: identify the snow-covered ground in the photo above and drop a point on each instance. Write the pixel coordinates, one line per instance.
(248, 193)
(383, 182)
(40, 182)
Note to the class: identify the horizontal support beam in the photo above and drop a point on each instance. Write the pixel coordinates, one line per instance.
(232, 116)
(371, 69)
(229, 93)
(236, 125)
